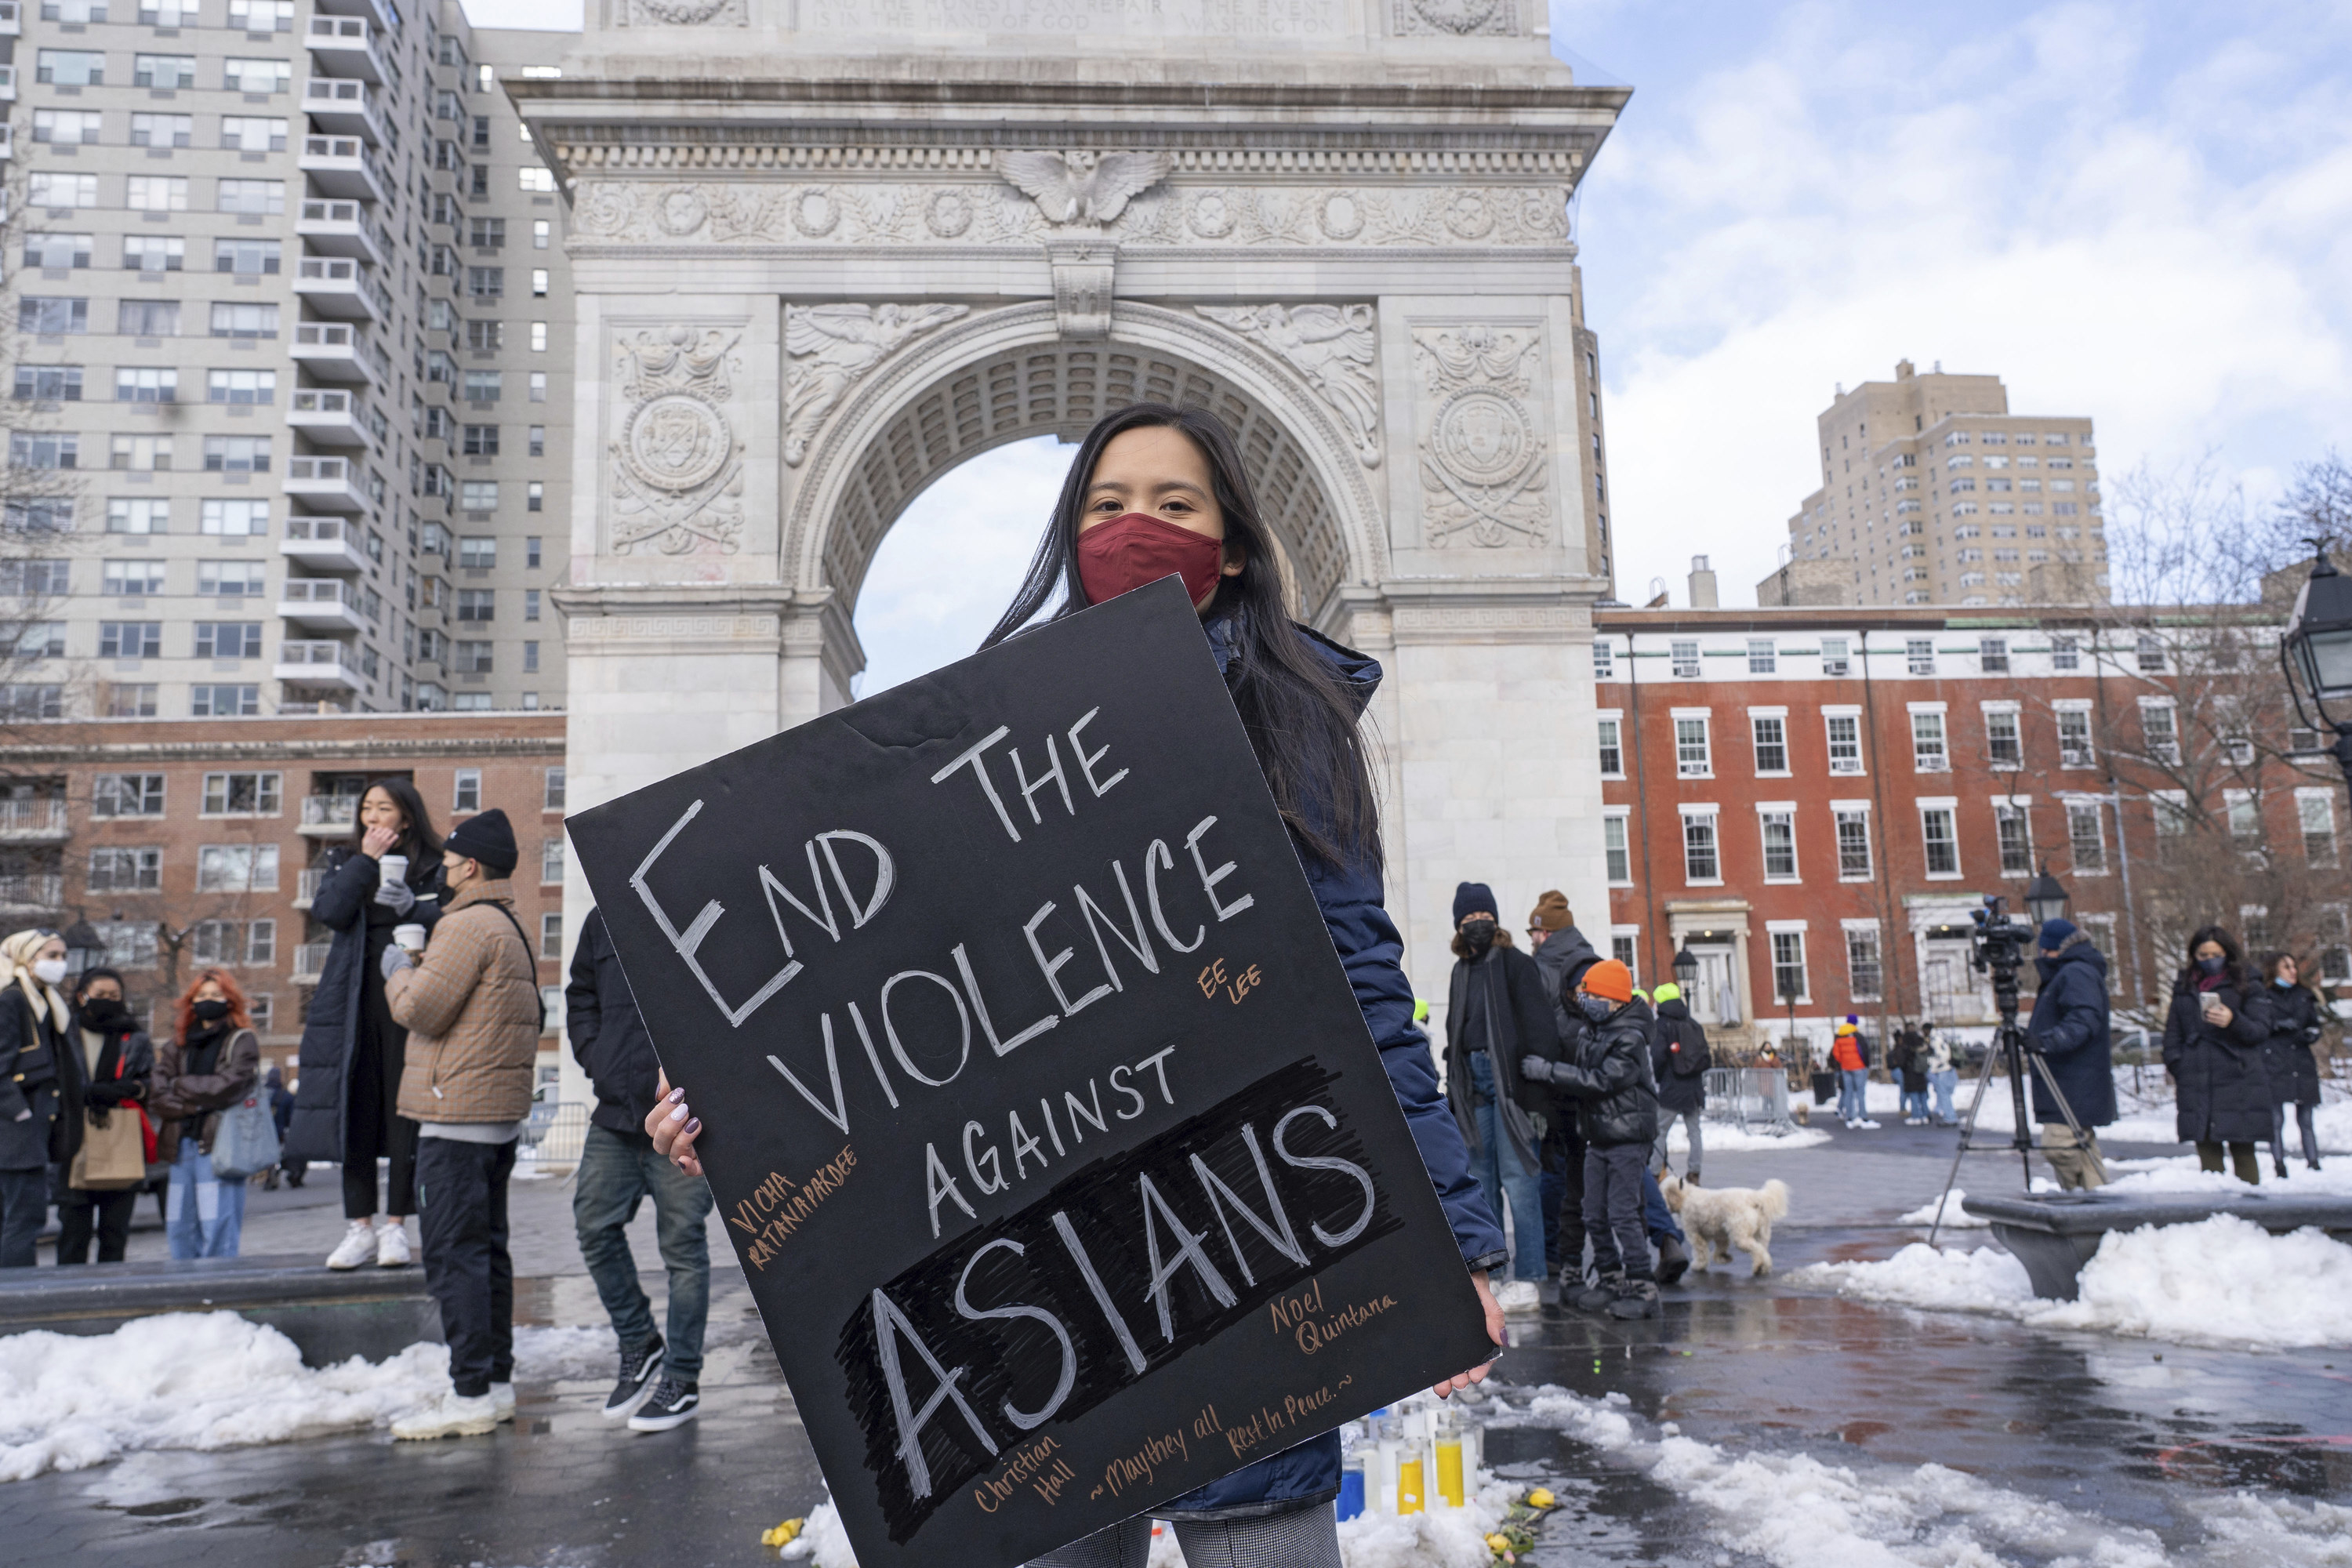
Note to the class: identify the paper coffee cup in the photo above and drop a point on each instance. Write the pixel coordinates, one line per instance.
(409, 937)
(395, 867)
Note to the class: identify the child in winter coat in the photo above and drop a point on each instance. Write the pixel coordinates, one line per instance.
(1617, 1110)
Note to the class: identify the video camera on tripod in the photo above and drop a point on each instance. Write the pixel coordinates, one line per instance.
(1998, 944)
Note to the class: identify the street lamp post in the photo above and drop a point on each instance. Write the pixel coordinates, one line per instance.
(84, 947)
(2317, 653)
(2045, 897)
(1685, 969)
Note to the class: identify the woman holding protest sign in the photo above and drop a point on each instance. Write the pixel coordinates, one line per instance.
(1157, 490)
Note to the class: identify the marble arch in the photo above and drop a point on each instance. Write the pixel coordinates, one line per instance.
(822, 251)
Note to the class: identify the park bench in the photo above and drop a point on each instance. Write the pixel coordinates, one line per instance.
(2055, 1234)
(329, 1315)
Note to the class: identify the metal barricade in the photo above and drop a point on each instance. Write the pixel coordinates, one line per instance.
(553, 1136)
(1754, 1099)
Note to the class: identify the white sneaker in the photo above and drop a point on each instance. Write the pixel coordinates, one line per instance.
(391, 1246)
(1519, 1296)
(359, 1245)
(453, 1415)
(502, 1395)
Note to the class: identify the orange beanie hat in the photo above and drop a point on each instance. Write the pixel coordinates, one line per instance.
(1609, 979)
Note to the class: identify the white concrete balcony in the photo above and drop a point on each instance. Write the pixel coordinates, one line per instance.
(323, 544)
(310, 962)
(7, 84)
(11, 18)
(343, 106)
(326, 484)
(8, 141)
(334, 352)
(380, 12)
(328, 815)
(30, 890)
(306, 888)
(341, 166)
(320, 603)
(340, 287)
(345, 46)
(33, 821)
(340, 228)
(330, 416)
(317, 664)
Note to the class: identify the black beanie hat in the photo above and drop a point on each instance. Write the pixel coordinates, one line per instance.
(485, 836)
(1471, 897)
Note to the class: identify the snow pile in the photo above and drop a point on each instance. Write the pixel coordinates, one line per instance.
(1722, 1138)
(1795, 1511)
(212, 1380)
(822, 1539)
(2181, 1174)
(2223, 1280)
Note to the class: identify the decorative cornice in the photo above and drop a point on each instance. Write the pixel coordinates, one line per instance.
(1306, 154)
(540, 99)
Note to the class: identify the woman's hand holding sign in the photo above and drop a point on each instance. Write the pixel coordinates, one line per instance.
(674, 1128)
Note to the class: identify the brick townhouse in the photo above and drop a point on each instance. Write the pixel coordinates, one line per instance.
(194, 843)
(1799, 796)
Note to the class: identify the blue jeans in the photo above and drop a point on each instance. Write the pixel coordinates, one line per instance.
(1501, 1175)
(1943, 1083)
(618, 1170)
(1854, 1093)
(203, 1217)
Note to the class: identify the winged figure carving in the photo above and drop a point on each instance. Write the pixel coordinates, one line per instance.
(1083, 187)
(830, 346)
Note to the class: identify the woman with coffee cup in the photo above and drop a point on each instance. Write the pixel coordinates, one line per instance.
(2214, 1051)
(386, 883)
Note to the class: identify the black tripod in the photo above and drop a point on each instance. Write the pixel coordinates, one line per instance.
(2000, 958)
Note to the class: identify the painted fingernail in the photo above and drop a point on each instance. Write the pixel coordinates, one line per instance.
(677, 1094)
(694, 1126)
(679, 1115)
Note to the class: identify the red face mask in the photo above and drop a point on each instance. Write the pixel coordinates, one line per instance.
(1136, 548)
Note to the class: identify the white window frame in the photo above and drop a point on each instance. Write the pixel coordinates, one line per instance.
(468, 782)
(1631, 937)
(1949, 804)
(1704, 717)
(2014, 712)
(2167, 751)
(1687, 811)
(2022, 805)
(1622, 817)
(1845, 808)
(2060, 710)
(2305, 799)
(1770, 808)
(2096, 805)
(1861, 768)
(1940, 759)
(1615, 716)
(1876, 930)
(1788, 754)
(1772, 960)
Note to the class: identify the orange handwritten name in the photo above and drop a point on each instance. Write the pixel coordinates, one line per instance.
(777, 1207)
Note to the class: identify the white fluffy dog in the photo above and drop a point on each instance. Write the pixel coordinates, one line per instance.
(1721, 1220)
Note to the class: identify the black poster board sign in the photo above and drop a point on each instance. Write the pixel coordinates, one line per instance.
(1036, 1103)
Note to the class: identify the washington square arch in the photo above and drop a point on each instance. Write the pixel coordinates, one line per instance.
(825, 250)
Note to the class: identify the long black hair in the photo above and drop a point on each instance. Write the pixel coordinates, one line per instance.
(418, 840)
(1301, 723)
(2234, 960)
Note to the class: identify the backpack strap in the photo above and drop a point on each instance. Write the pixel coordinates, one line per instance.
(529, 958)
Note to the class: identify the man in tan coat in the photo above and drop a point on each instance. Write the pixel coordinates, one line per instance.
(471, 1006)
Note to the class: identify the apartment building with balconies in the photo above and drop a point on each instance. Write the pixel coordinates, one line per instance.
(291, 321)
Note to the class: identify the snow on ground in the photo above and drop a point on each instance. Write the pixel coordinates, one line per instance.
(2146, 1106)
(1722, 1138)
(212, 1380)
(1954, 1216)
(2223, 1280)
(1795, 1510)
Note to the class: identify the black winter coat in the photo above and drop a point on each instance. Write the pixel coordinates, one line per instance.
(1679, 1058)
(1609, 1078)
(126, 1064)
(345, 904)
(1519, 1023)
(608, 1032)
(2291, 1013)
(2217, 1074)
(40, 1072)
(2070, 1028)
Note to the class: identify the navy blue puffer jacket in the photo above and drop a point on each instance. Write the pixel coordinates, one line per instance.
(1372, 952)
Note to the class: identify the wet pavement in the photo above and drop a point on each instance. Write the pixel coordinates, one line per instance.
(2121, 1433)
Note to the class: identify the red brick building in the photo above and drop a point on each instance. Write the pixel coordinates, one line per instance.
(1799, 796)
(193, 843)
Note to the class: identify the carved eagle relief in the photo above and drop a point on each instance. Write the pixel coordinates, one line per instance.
(1083, 187)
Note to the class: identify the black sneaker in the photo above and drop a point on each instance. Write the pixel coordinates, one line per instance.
(638, 1369)
(674, 1404)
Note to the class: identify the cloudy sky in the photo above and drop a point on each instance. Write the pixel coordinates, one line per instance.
(2141, 212)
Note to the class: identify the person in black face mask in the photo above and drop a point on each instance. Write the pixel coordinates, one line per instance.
(211, 1061)
(2213, 1052)
(117, 1060)
(1496, 1012)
